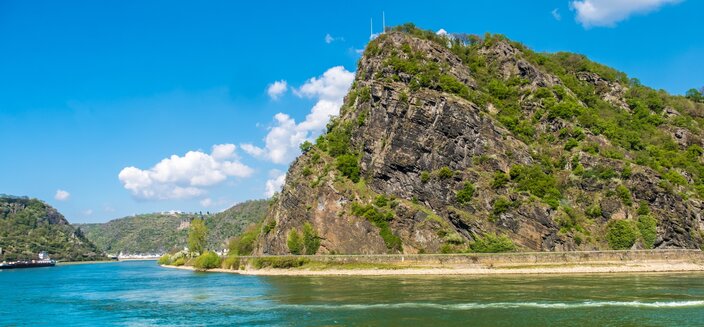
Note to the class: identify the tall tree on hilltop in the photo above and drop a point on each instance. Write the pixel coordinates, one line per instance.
(695, 95)
(197, 236)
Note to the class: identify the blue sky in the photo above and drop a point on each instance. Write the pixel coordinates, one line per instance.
(111, 108)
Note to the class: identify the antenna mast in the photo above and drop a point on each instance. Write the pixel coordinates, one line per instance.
(371, 28)
(383, 23)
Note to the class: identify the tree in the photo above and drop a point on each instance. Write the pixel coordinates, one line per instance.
(310, 239)
(244, 243)
(621, 234)
(348, 165)
(306, 146)
(492, 243)
(648, 228)
(294, 242)
(197, 235)
(695, 95)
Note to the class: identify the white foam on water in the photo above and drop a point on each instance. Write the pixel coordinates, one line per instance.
(497, 305)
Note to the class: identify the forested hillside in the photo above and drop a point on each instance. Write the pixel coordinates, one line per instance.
(29, 226)
(160, 232)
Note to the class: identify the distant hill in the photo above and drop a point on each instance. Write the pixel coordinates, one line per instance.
(231, 222)
(29, 226)
(161, 232)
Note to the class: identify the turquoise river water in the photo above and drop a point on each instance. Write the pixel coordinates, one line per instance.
(143, 294)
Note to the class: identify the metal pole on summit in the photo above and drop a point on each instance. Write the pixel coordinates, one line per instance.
(371, 28)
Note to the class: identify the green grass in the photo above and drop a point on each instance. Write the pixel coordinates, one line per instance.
(231, 262)
(322, 265)
(279, 262)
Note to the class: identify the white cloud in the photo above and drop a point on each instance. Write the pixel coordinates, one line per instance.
(556, 14)
(184, 177)
(61, 195)
(330, 39)
(281, 142)
(609, 12)
(283, 139)
(275, 182)
(224, 151)
(210, 202)
(441, 32)
(277, 89)
(253, 150)
(87, 212)
(207, 202)
(332, 85)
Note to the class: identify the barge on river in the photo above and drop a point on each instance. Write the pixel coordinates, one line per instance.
(44, 261)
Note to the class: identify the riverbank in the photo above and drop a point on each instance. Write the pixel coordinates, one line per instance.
(597, 262)
(71, 263)
(639, 268)
(138, 259)
(103, 261)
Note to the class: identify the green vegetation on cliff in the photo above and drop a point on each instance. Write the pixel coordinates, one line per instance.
(379, 214)
(29, 226)
(636, 129)
(243, 244)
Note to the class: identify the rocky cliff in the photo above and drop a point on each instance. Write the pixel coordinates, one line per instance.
(466, 143)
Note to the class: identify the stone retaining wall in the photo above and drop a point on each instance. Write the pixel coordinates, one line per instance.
(514, 258)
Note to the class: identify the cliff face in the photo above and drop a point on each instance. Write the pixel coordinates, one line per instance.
(29, 226)
(449, 145)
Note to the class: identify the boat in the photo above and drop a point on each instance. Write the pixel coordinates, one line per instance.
(44, 261)
(27, 264)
